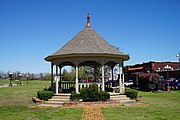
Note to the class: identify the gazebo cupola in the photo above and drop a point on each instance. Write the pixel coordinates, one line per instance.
(85, 49)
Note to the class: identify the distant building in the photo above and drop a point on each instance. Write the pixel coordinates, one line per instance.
(165, 69)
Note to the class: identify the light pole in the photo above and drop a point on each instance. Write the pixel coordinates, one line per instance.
(20, 76)
(27, 77)
(10, 76)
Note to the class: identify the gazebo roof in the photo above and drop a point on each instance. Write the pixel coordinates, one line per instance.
(87, 41)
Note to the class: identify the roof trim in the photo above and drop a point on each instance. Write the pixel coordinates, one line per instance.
(76, 55)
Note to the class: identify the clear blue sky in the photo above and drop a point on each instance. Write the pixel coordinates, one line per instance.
(30, 30)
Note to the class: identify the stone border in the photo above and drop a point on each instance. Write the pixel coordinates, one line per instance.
(82, 104)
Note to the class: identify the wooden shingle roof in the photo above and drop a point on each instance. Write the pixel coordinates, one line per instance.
(88, 41)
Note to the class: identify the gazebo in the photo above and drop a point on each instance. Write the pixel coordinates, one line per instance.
(87, 48)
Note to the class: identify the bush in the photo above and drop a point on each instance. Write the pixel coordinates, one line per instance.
(44, 95)
(132, 93)
(74, 96)
(103, 95)
(90, 93)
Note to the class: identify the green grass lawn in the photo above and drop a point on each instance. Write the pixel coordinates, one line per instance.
(156, 106)
(16, 104)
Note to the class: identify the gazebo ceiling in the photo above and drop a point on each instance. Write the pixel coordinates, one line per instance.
(87, 43)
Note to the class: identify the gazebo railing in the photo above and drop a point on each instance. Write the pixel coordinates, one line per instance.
(68, 86)
(110, 85)
(87, 84)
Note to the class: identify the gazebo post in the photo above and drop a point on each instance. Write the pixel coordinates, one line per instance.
(120, 78)
(95, 70)
(56, 70)
(57, 86)
(112, 76)
(123, 88)
(77, 86)
(52, 78)
(60, 76)
(103, 85)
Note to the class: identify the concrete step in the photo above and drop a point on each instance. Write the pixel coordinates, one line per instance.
(63, 94)
(58, 100)
(118, 96)
(61, 97)
(125, 98)
(61, 100)
(112, 93)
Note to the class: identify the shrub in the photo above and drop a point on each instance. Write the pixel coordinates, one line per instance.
(132, 93)
(89, 93)
(74, 96)
(103, 95)
(44, 95)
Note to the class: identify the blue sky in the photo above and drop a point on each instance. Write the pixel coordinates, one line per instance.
(30, 30)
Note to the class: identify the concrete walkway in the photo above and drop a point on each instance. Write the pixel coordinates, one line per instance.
(92, 113)
(6, 85)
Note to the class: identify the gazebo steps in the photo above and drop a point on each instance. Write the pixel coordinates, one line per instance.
(117, 99)
(119, 96)
(63, 94)
(113, 94)
(59, 99)
(122, 99)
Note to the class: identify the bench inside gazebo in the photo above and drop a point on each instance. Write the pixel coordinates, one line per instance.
(87, 48)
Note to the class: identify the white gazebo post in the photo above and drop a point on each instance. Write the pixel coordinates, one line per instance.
(60, 80)
(103, 85)
(56, 70)
(123, 88)
(52, 78)
(112, 71)
(77, 86)
(57, 85)
(120, 79)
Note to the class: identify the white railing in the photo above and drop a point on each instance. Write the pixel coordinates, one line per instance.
(87, 84)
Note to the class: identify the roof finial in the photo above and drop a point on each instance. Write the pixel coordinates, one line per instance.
(88, 21)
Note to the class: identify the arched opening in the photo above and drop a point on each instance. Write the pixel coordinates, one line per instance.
(89, 71)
